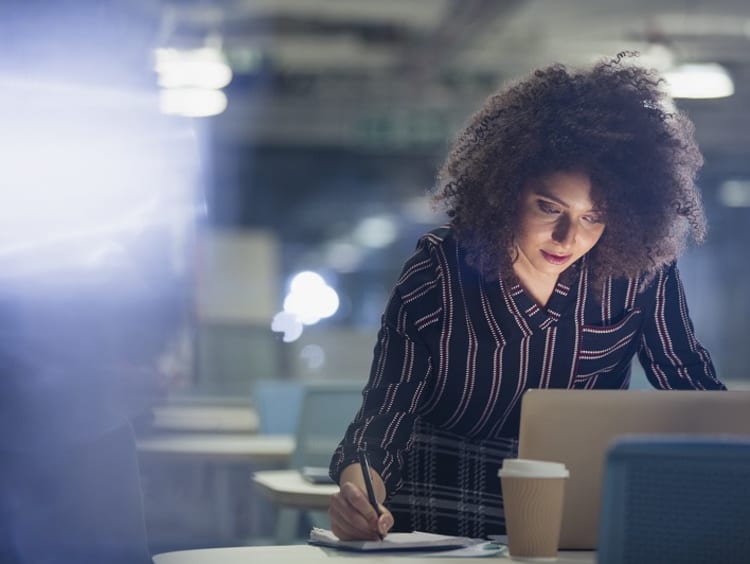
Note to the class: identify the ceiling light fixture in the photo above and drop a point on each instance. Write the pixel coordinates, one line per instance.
(706, 80)
(192, 102)
(191, 79)
(205, 67)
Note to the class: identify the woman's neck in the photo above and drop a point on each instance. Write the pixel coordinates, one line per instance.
(538, 286)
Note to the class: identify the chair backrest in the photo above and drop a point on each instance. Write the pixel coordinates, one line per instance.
(327, 408)
(278, 403)
(676, 499)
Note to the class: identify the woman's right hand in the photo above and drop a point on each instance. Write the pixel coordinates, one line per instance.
(352, 516)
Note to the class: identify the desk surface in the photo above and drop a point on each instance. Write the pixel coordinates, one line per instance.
(314, 555)
(220, 447)
(290, 489)
(208, 418)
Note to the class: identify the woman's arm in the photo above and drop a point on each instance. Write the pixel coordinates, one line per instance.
(670, 353)
(401, 367)
(352, 515)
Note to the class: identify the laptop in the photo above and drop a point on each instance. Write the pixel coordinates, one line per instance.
(576, 427)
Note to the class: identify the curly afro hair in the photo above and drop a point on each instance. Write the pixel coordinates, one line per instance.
(610, 121)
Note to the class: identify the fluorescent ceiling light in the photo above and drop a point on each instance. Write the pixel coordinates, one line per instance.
(199, 68)
(192, 102)
(708, 80)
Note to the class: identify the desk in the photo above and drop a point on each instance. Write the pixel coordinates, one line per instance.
(219, 451)
(315, 555)
(290, 489)
(208, 418)
(220, 447)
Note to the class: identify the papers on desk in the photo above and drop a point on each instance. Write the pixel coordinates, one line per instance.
(415, 541)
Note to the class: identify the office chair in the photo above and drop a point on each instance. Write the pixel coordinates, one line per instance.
(278, 404)
(327, 409)
(676, 499)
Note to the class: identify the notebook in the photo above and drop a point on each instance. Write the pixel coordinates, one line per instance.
(576, 427)
(393, 542)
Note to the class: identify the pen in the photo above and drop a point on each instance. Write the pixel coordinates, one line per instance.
(364, 462)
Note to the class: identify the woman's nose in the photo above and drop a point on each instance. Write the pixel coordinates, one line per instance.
(564, 232)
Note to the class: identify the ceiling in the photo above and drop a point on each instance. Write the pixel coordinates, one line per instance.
(388, 81)
(406, 73)
(384, 78)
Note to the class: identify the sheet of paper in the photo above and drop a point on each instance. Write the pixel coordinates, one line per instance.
(414, 541)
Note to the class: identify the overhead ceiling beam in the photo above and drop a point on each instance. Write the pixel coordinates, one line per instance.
(462, 22)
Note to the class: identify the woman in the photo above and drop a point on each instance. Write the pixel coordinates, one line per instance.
(571, 194)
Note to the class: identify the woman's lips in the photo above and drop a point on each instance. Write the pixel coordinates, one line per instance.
(555, 259)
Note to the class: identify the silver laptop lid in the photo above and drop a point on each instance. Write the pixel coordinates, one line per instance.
(576, 427)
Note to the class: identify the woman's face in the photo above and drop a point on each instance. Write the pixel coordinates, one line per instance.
(559, 224)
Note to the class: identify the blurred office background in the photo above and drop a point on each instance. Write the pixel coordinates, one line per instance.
(175, 165)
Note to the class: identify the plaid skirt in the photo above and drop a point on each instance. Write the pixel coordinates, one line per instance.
(450, 484)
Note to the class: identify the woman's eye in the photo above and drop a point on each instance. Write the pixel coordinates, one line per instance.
(546, 207)
(593, 219)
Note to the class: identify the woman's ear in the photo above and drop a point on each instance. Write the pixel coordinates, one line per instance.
(513, 251)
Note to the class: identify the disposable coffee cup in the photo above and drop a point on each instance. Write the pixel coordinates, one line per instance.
(533, 492)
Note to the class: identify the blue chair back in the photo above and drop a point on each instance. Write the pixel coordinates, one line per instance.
(278, 403)
(327, 409)
(676, 499)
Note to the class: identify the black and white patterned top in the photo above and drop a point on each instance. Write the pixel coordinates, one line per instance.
(455, 353)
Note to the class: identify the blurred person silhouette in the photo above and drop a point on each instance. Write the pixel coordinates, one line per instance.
(85, 311)
(571, 193)
(69, 481)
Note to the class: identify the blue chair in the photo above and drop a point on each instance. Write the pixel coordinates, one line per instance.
(327, 409)
(278, 405)
(676, 499)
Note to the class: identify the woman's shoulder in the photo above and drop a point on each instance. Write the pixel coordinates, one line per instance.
(433, 254)
(439, 237)
(437, 240)
(642, 286)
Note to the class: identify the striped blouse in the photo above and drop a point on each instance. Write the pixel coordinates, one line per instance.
(455, 353)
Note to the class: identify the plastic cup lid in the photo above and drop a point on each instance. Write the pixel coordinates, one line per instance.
(526, 468)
